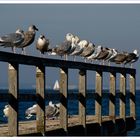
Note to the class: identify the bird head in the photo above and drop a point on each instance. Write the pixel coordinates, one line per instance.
(19, 31)
(69, 37)
(33, 28)
(42, 36)
(135, 52)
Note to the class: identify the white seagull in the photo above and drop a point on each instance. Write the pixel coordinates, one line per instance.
(42, 44)
(6, 111)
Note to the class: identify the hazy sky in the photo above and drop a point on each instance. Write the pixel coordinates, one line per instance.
(115, 26)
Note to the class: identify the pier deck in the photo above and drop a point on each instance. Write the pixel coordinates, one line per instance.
(28, 128)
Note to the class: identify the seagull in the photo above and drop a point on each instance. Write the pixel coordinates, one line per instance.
(103, 54)
(131, 58)
(6, 111)
(62, 49)
(119, 58)
(42, 44)
(31, 111)
(112, 56)
(29, 37)
(52, 110)
(12, 40)
(74, 41)
(79, 48)
(88, 50)
(95, 54)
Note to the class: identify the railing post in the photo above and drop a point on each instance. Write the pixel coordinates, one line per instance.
(112, 95)
(13, 72)
(98, 98)
(122, 95)
(63, 99)
(132, 96)
(82, 99)
(40, 91)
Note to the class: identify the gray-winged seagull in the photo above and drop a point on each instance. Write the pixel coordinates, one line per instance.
(95, 54)
(12, 40)
(29, 37)
(131, 58)
(119, 58)
(103, 54)
(51, 111)
(79, 48)
(88, 50)
(62, 49)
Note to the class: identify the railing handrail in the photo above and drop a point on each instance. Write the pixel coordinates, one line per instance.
(37, 61)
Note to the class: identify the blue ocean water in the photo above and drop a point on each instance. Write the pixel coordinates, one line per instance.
(73, 105)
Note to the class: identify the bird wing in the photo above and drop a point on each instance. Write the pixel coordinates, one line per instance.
(49, 111)
(28, 39)
(10, 40)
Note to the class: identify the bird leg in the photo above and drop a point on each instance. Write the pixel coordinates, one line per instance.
(13, 49)
(103, 62)
(85, 60)
(66, 57)
(74, 58)
(23, 51)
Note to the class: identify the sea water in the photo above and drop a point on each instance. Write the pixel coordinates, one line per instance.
(73, 105)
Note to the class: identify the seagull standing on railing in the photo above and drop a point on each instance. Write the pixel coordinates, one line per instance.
(12, 40)
(119, 58)
(131, 58)
(64, 48)
(95, 54)
(112, 56)
(74, 41)
(29, 37)
(103, 54)
(79, 48)
(42, 44)
(88, 50)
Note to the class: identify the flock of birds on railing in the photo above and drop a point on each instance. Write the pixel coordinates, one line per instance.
(52, 111)
(71, 46)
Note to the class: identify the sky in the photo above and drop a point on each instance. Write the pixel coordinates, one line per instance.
(110, 25)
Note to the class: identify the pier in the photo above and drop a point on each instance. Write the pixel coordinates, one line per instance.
(77, 125)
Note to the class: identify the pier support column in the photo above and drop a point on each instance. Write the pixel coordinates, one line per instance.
(98, 98)
(82, 99)
(132, 95)
(13, 73)
(112, 95)
(63, 99)
(40, 91)
(122, 95)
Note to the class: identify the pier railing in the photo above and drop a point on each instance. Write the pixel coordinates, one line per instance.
(15, 60)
